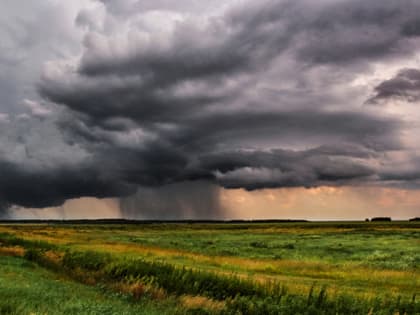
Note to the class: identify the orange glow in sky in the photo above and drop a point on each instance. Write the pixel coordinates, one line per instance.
(322, 203)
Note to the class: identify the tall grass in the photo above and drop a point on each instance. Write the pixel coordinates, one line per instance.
(242, 296)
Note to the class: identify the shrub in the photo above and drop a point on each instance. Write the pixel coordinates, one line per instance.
(381, 219)
(11, 240)
(289, 246)
(33, 254)
(259, 244)
(88, 260)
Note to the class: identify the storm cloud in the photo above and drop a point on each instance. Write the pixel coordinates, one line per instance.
(404, 86)
(165, 99)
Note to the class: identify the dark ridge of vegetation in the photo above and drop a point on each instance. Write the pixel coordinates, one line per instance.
(317, 303)
(417, 219)
(11, 240)
(381, 219)
(88, 260)
(173, 280)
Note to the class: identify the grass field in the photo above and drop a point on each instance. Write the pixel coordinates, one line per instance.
(26, 288)
(241, 268)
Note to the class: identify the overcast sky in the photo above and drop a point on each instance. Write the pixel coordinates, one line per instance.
(210, 109)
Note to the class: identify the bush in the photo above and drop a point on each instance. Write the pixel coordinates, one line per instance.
(88, 260)
(381, 219)
(289, 246)
(34, 255)
(259, 244)
(11, 240)
(184, 281)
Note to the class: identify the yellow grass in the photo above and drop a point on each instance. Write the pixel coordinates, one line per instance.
(137, 290)
(201, 302)
(11, 251)
(297, 275)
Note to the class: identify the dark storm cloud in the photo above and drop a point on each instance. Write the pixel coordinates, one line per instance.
(254, 97)
(349, 31)
(197, 66)
(4, 211)
(170, 202)
(286, 168)
(251, 34)
(43, 188)
(230, 128)
(104, 100)
(404, 86)
(405, 176)
(179, 153)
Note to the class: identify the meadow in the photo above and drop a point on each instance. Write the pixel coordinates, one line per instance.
(210, 268)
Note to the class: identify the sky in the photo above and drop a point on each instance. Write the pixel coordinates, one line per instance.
(212, 109)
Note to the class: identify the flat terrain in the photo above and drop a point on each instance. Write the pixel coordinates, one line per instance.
(374, 264)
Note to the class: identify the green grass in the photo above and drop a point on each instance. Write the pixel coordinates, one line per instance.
(391, 245)
(26, 288)
(242, 296)
(365, 267)
(384, 249)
